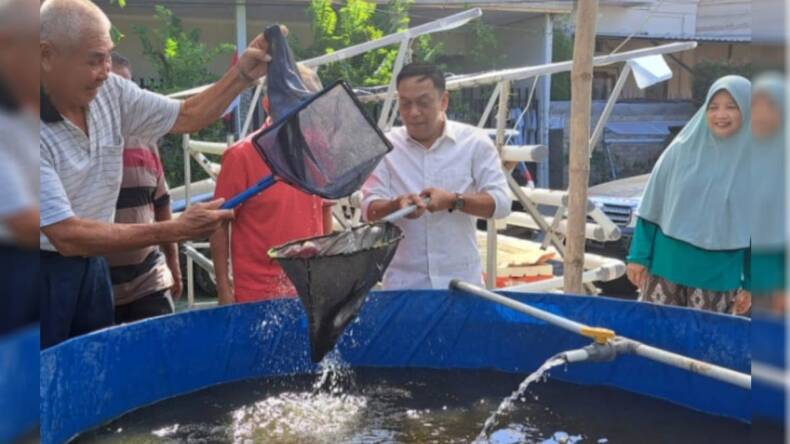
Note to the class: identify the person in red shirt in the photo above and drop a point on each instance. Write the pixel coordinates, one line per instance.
(276, 216)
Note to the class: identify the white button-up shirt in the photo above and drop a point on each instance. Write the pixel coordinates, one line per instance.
(442, 246)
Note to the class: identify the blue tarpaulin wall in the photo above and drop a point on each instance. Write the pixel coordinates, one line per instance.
(90, 380)
(18, 383)
(768, 348)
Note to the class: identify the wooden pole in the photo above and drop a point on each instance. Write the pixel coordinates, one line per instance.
(581, 100)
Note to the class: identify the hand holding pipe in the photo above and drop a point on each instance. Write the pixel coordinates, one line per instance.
(403, 212)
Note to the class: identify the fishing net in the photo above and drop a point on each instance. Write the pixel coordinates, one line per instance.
(334, 273)
(322, 143)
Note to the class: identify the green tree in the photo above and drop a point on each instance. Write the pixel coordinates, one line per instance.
(484, 49)
(358, 21)
(115, 34)
(562, 50)
(182, 61)
(177, 54)
(706, 73)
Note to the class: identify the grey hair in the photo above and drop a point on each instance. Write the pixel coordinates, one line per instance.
(67, 20)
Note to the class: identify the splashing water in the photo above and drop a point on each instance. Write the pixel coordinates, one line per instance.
(409, 406)
(335, 376)
(325, 414)
(507, 404)
(298, 417)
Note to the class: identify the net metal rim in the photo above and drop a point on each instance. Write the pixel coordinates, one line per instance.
(273, 252)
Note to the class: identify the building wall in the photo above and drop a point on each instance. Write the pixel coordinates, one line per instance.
(724, 19)
(630, 159)
(673, 19)
(522, 43)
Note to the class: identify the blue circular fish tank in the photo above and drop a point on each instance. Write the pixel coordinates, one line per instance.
(93, 379)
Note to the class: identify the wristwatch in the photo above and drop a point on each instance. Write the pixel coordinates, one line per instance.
(458, 203)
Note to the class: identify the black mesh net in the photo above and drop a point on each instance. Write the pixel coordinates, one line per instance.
(322, 143)
(334, 273)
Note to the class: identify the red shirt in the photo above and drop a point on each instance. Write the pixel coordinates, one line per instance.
(278, 215)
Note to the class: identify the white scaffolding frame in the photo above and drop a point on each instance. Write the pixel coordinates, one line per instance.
(197, 149)
(601, 228)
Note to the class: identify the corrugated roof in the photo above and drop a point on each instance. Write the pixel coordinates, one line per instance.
(704, 20)
(724, 20)
(676, 37)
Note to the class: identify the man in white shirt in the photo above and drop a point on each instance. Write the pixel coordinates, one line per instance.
(454, 167)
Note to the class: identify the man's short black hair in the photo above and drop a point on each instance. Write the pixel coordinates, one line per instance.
(119, 60)
(423, 71)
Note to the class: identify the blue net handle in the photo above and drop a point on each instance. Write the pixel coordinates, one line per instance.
(245, 195)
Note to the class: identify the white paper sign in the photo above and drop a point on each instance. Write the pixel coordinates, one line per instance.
(650, 70)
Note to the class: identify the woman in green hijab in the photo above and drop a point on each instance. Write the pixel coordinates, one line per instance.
(693, 230)
(769, 228)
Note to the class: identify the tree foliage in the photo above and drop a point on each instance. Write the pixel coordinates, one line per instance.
(705, 73)
(179, 57)
(182, 61)
(359, 21)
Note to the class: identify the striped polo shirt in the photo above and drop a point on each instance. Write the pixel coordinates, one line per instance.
(80, 175)
(138, 273)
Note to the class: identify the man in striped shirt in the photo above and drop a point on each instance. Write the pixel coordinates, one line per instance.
(144, 280)
(87, 114)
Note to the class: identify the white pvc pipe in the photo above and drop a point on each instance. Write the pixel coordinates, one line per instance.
(245, 129)
(621, 343)
(591, 231)
(770, 375)
(489, 106)
(515, 74)
(545, 100)
(200, 260)
(201, 146)
(442, 24)
(207, 165)
(604, 273)
(579, 355)
(693, 365)
(403, 212)
(387, 109)
(525, 153)
(610, 228)
(607, 110)
(558, 321)
(554, 198)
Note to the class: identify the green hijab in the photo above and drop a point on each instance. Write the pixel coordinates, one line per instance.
(698, 191)
(769, 202)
